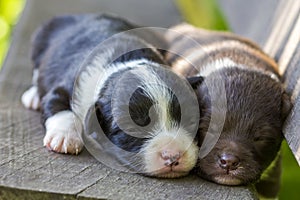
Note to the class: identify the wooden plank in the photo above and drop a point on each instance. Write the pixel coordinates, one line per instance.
(287, 53)
(29, 171)
(251, 19)
(190, 187)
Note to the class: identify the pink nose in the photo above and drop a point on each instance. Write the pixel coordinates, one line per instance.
(170, 158)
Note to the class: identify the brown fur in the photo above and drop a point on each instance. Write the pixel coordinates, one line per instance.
(255, 106)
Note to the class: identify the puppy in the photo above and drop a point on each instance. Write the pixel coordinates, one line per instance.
(242, 102)
(89, 63)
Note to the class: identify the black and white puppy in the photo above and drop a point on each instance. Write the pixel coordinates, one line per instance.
(66, 85)
(241, 96)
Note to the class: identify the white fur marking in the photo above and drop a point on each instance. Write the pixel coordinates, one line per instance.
(63, 133)
(35, 76)
(158, 92)
(228, 63)
(167, 134)
(86, 93)
(227, 180)
(30, 98)
(176, 141)
(217, 65)
(92, 80)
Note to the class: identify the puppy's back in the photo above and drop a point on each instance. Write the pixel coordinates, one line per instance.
(195, 50)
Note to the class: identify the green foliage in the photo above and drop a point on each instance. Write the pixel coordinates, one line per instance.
(202, 13)
(9, 12)
(290, 181)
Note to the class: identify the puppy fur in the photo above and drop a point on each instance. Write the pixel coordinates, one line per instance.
(65, 86)
(255, 103)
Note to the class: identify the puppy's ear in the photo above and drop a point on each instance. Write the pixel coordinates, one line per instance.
(195, 81)
(286, 105)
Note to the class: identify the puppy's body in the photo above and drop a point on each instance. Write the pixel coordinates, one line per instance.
(78, 62)
(243, 92)
(210, 50)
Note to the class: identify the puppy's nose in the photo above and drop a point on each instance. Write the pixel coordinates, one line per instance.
(229, 161)
(171, 158)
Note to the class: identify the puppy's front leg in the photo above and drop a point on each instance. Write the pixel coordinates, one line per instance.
(63, 127)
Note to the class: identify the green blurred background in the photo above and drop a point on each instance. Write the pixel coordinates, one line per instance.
(9, 12)
(193, 11)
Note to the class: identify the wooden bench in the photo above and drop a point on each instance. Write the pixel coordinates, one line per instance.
(29, 171)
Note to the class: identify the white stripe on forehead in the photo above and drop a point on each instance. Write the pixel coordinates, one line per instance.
(217, 65)
(156, 89)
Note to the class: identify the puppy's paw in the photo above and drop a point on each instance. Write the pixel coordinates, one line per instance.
(31, 99)
(63, 133)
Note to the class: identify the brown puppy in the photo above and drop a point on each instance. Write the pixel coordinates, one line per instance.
(242, 102)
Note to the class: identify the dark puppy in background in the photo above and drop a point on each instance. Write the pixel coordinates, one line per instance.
(255, 103)
(65, 88)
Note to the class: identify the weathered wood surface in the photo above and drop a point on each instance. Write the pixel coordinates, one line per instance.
(29, 171)
(251, 19)
(275, 25)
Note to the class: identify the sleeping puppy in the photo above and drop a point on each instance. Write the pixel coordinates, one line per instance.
(242, 102)
(90, 62)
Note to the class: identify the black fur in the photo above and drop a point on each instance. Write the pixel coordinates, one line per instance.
(60, 46)
(139, 108)
(59, 50)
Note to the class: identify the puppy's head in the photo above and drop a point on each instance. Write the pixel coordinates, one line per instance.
(251, 135)
(141, 113)
(169, 151)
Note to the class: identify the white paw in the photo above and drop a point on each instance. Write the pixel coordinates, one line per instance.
(31, 99)
(63, 132)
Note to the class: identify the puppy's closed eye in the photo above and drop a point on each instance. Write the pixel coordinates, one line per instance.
(258, 139)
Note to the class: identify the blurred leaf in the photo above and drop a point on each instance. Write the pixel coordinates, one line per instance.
(10, 9)
(9, 13)
(290, 181)
(4, 28)
(202, 13)
(3, 49)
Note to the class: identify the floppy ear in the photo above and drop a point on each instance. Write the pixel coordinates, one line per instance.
(195, 81)
(286, 105)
